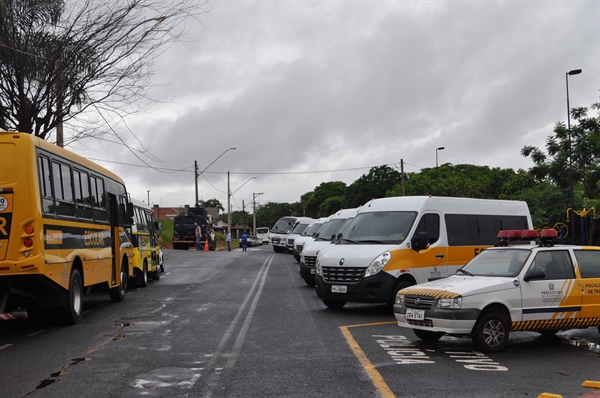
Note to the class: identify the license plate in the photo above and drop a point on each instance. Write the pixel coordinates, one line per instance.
(339, 289)
(415, 315)
(312, 271)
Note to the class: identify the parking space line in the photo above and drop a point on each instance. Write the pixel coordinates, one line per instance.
(373, 373)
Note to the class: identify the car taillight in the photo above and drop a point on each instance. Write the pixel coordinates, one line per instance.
(29, 229)
(28, 242)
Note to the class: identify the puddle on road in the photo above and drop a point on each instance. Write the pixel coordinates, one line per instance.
(167, 377)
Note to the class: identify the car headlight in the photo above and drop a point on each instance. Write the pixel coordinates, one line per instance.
(452, 303)
(400, 299)
(318, 270)
(378, 264)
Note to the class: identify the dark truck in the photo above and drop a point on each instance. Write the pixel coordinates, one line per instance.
(184, 231)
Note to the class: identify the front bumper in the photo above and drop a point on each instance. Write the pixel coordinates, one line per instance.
(459, 321)
(373, 289)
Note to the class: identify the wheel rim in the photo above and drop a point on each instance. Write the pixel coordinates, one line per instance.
(77, 298)
(494, 333)
(123, 282)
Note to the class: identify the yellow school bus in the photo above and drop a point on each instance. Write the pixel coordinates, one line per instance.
(146, 248)
(63, 222)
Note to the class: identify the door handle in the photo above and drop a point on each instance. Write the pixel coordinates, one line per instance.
(439, 256)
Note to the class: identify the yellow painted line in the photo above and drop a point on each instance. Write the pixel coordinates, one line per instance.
(591, 383)
(375, 376)
(549, 395)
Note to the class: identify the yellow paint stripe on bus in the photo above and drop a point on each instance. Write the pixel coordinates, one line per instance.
(375, 376)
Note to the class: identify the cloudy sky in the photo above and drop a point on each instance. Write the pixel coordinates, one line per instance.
(317, 91)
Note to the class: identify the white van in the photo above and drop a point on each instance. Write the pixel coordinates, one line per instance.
(308, 235)
(299, 227)
(326, 235)
(393, 243)
(280, 231)
(263, 234)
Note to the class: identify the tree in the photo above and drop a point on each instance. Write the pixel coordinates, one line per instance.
(375, 184)
(211, 203)
(580, 149)
(316, 204)
(65, 60)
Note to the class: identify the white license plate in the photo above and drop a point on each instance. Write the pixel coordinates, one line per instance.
(339, 289)
(312, 271)
(415, 315)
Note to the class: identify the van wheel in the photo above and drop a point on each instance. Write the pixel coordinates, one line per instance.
(310, 282)
(427, 335)
(72, 311)
(156, 274)
(117, 294)
(334, 305)
(490, 333)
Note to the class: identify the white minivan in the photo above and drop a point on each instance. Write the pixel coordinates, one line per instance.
(324, 238)
(263, 234)
(396, 242)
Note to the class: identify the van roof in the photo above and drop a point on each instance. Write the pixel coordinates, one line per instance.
(446, 205)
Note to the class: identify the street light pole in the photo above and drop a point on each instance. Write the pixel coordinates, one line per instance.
(254, 195)
(437, 184)
(196, 174)
(229, 195)
(570, 73)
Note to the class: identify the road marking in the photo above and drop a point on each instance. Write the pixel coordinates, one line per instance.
(5, 346)
(373, 373)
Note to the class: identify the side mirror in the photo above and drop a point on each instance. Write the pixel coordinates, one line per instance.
(534, 274)
(159, 226)
(420, 241)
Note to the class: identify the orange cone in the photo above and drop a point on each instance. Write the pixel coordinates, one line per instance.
(206, 245)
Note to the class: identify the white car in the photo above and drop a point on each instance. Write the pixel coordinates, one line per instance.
(543, 288)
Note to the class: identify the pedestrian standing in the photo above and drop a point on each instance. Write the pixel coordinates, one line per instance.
(244, 241)
(198, 236)
(228, 240)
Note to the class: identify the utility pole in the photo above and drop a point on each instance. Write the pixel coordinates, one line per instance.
(196, 177)
(402, 176)
(228, 204)
(148, 197)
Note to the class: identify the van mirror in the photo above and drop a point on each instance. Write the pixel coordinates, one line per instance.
(159, 226)
(420, 241)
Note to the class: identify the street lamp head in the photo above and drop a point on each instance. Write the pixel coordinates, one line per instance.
(233, 148)
(574, 72)
(439, 149)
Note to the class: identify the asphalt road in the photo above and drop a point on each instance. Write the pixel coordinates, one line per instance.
(244, 324)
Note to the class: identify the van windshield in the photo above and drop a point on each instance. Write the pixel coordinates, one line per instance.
(283, 226)
(299, 228)
(331, 229)
(382, 227)
(312, 228)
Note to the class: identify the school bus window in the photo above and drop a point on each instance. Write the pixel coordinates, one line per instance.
(45, 185)
(97, 185)
(63, 190)
(82, 194)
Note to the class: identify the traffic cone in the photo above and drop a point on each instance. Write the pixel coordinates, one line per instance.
(206, 245)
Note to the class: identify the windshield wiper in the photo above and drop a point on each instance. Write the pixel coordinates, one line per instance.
(466, 272)
(371, 241)
(351, 241)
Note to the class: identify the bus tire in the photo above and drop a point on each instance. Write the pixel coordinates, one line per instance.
(117, 293)
(490, 333)
(427, 335)
(156, 274)
(72, 311)
(334, 305)
(143, 277)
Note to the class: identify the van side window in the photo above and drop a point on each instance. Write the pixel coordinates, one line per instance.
(589, 263)
(431, 224)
